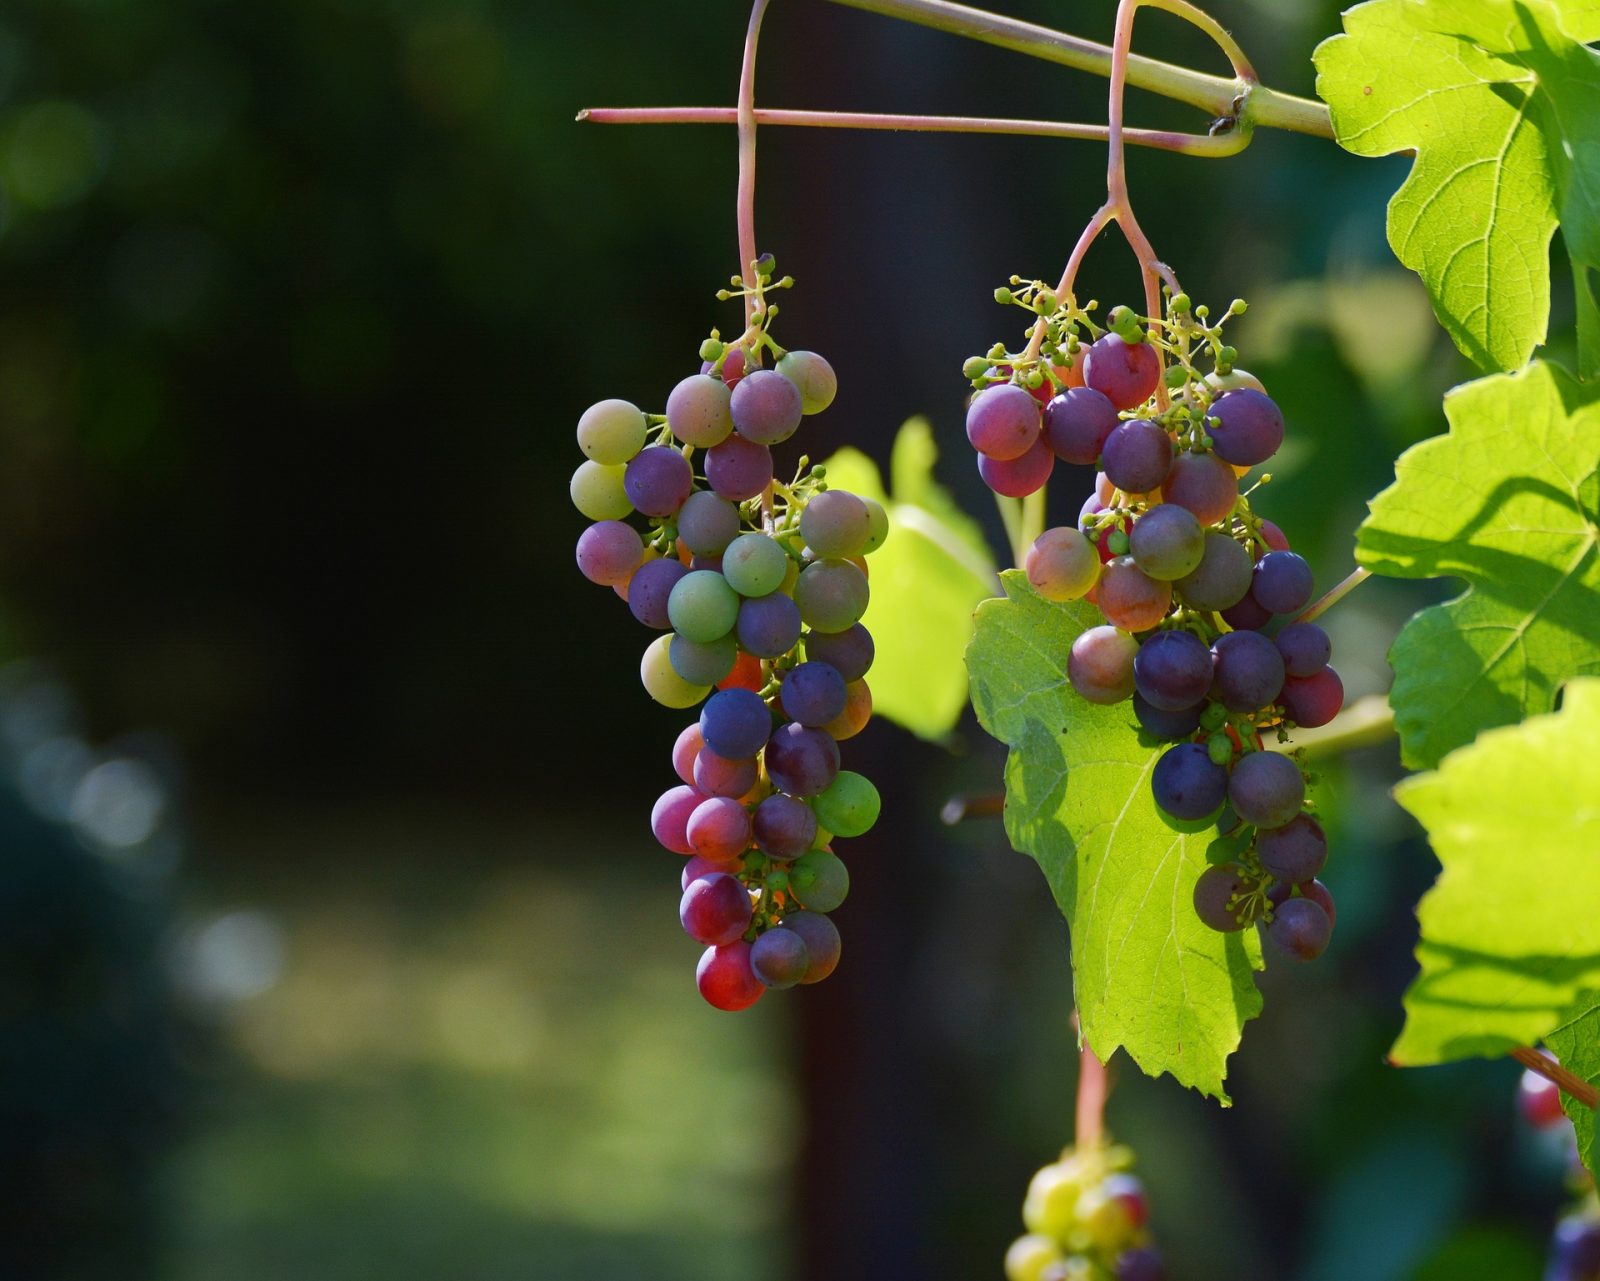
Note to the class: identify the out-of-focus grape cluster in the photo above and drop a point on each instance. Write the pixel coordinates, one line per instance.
(1087, 1219)
(1199, 593)
(757, 589)
(1575, 1243)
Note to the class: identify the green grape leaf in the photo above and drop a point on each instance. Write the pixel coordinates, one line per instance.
(1149, 977)
(1500, 102)
(1577, 1044)
(927, 578)
(1510, 934)
(1508, 501)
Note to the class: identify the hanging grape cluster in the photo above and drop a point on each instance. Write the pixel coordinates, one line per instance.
(1086, 1217)
(1198, 592)
(758, 589)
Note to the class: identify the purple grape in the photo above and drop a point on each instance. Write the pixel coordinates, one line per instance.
(768, 626)
(1130, 598)
(1216, 888)
(1100, 665)
(800, 760)
(1575, 1249)
(766, 407)
(1003, 422)
(1167, 542)
(669, 818)
(1076, 424)
(784, 826)
(1137, 456)
(1249, 671)
(1310, 701)
(1282, 583)
(850, 652)
(1162, 724)
(738, 469)
(1282, 891)
(1266, 790)
(1187, 783)
(1300, 928)
(1125, 373)
(779, 957)
(718, 776)
(813, 694)
(1295, 851)
(1018, 477)
(609, 551)
(835, 523)
(1140, 1264)
(822, 943)
(697, 411)
(1203, 485)
(1247, 615)
(707, 524)
(1222, 577)
(1248, 427)
(658, 480)
(715, 909)
(649, 590)
(832, 595)
(1305, 648)
(1172, 671)
(820, 881)
(735, 723)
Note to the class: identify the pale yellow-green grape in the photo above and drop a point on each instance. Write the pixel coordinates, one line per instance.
(1062, 564)
(598, 493)
(662, 683)
(1104, 1221)
(611, 431)
(1234, 379)
(814, 377)
(1051, 1206)
(1029, 1256)
(880, 526)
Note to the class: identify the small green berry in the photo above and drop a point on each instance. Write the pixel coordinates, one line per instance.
(1220, 748)
(1002, 296)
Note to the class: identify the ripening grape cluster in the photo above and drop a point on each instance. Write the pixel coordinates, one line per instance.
(1575, 1244)
(757, 589)
(1086, 1218)
(1199, 593)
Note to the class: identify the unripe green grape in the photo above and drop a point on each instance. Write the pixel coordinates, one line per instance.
(755, 565)
(598, 493)
(878, 524)
(702, 606)
(1105, 1221)
(711, 349)
(1233, 380)
(820, 881)
(662, 683)
(1002, 296)
(1051, 1206)
(974, 368)
(611, 431)
(702, 662)
(1062, 564)
(1028, 1256)
(849, 806)
(835, 524)
(814, 377)
(832, 595)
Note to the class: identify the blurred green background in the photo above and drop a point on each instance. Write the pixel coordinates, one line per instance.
(332, 940)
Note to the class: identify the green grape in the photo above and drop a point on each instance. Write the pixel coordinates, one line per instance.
(878, 520)
(702, 606)
(702, 662)
(755, 565)
(814, 377)
(1029, 1256)
(849, 806)
(1051, 1206)
(820, 881)
(598, 493)
(611, 432)
(832, 595)
(662, 683)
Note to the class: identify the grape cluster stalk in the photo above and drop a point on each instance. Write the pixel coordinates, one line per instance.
(757, 589)
(1087, 1218)
(1199, 593)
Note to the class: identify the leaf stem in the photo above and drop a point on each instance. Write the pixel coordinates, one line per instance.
(1335, 594)
(1569, 1081)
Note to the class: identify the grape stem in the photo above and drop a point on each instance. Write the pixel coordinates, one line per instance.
(1367, 721)
(747, 160)
(1335, 594)
(1211, 146)
(1569, 1081)
(1093, 1086)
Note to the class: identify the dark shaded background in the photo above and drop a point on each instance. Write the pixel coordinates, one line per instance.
(299, 304)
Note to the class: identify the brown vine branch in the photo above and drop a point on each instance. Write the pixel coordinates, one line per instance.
(1569, 1081)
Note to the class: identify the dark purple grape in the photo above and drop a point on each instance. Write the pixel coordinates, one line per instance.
(1295, 851)
(813, 694)
(1247, 615)
(1167, 542)
(649, 589)
(779, 957)
(1222, 577)
(1203, 485)
(766, 407)
(1282, 891)
(1310, 701)
(784, 826)
(707, 524)
(820, 881)
(1248, 427)
(1163, 724)
(738, 469)
(1216, 888)
(1575, 1249)
(1266, 790)
(1018, 477)
(1140, 1264)
(1076, 424)
(822, 943)
(1003, 421)
(1172, 671)
(768, 626)
(1305, 648)
(1125, 373)
(715, 909)
(1249, 671)
(658, 480)
(849, 652)
(801, 761)
(1282, 582)
(1137, 456)
(1187, 783)
(1301, 929)
(735, 723)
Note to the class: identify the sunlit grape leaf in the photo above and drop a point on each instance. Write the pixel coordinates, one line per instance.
(1506, 500)
(1510, 931)
(926, 581)
(1577, 1044)
(1148, 975)
(1501, 105)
